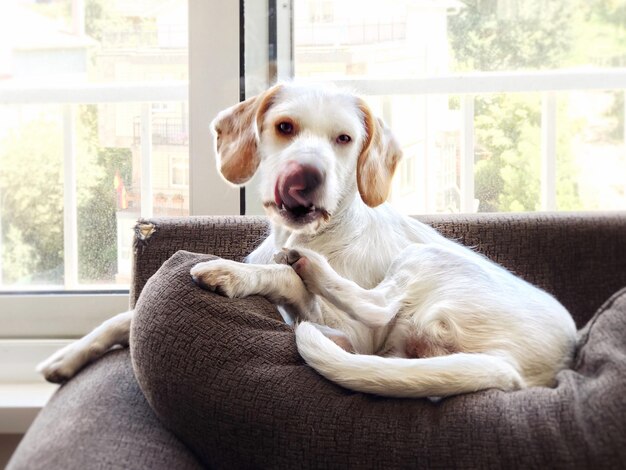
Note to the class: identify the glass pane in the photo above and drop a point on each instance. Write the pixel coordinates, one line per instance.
(364, 40)
(491, 35)
(113, 145)
(31, 195)
(591, 153)
(507, 175)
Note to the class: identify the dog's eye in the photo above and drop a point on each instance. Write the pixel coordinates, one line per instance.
(344, 139)
(285, 127)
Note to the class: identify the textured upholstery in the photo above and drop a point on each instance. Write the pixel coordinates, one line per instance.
(226, 377)
(101, 420)
(231, 237)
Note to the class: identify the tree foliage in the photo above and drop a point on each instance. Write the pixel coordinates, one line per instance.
(488, 35)
(97, 223)
(31, 190)
(508, 141)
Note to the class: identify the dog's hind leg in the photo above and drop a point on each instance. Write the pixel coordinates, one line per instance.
(373, 307)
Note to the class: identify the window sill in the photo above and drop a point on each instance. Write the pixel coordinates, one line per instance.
(20, 403)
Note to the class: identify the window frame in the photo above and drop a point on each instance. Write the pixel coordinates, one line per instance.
(40, 322)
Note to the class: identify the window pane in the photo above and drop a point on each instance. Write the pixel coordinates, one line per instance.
(507, 174)
(512, 132)
(591, 153)
(31, 193)
(105, 144)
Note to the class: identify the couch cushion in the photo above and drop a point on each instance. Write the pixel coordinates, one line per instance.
(100, 420)
(226, 377)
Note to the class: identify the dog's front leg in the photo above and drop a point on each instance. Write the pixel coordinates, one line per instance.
(278, 282)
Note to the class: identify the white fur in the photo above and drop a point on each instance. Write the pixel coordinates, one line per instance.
(66, 362)
(376, 282)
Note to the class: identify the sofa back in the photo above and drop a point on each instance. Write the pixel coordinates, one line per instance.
(580, 258)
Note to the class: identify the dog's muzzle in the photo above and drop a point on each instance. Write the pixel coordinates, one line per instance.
(295, 194)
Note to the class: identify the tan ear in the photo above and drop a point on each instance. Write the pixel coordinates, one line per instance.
(237, 134)
(378, 160)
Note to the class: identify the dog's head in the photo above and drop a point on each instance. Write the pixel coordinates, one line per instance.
(312, 148)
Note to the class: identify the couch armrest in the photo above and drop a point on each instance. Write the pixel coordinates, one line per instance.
(157, 239)
(578, 257)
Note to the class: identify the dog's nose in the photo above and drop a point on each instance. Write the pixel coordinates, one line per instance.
(296, 185)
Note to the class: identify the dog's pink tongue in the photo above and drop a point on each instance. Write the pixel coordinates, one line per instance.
(291, 189)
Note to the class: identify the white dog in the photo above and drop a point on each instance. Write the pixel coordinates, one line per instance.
(383, 303)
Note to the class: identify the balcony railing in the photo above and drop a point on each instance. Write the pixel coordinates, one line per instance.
(165, 131)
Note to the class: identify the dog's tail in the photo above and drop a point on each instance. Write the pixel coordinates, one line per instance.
(400, 377)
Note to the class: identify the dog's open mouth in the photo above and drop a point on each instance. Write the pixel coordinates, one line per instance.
(295, 196)
(299, 215)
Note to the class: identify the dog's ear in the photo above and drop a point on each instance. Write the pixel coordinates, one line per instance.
(236, 132)
(378, 159)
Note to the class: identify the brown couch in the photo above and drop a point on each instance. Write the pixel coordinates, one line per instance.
(230, 391)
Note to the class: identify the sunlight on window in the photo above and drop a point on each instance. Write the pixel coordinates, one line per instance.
(361, 40)
(77, 173)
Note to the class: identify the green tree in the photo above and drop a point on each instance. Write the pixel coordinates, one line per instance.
(606, 29)
(491, 35)
(101, 17)
(97, 223)
(31, 185)
(31, 196)
(488, 35)
(507, 174)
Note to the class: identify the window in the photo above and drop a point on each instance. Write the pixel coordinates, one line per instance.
(501, 105)
(97, 130)
(79, 166)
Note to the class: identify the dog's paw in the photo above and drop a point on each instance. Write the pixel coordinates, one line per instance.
(300, 260)
(509, 379)
(224, 277)
(287, 256)
(310, 266)
(66, 362)
(512, 382)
